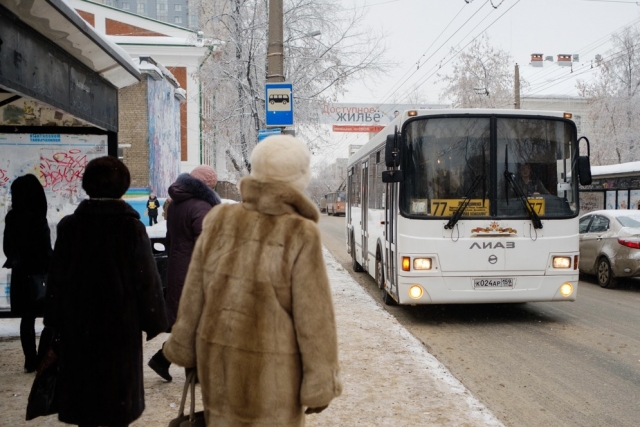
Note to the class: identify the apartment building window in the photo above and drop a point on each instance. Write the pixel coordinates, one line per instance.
(177, 8)
(125, 6)
(142, 7)
(162, 10)
(178, 19)
(193, 21)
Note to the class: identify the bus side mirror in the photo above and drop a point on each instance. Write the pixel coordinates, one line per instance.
(392, 176)
(584, 170)
(390, 153)
(584, 166)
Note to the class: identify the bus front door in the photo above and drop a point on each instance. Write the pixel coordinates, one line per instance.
(364, 218)
(390, 239)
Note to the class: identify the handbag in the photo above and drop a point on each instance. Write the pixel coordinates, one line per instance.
(43, 398)
(194, 419)
(37, 287)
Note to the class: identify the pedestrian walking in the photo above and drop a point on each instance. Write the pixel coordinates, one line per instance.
(165, 206)
(104, 291)
(152, 208)
(256, 316)
(192, 197)
(27, 246)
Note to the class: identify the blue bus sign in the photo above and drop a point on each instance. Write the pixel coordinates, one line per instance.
(263, 133)
(279, 104)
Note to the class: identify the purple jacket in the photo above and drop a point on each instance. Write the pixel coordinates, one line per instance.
(191, 200)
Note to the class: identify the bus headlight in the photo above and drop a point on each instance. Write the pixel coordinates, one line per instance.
(422, 263)
(561, 262)
(566, 289)
(415, 291)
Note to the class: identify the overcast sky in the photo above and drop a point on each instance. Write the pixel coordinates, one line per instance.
(424, 31)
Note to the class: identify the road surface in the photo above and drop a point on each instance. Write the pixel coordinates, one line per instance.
(534, 364)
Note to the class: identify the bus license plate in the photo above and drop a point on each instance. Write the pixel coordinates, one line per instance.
(493, 283)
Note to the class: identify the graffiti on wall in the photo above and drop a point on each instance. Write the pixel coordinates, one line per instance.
(164, 136)
(58, 161)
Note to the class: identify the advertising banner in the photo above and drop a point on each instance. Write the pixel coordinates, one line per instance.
(364, 117)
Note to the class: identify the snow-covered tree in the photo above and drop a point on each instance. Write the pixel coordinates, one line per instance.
(325, 48)
(614, 102)
(482, 77)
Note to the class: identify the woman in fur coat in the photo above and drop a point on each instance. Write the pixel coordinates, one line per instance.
(104, 290)
(256, 314)
(192, 197)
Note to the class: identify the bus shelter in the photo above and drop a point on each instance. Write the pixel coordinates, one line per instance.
(59, 82)
(613, 187)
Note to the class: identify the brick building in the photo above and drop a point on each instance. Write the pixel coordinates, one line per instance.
(150, 123)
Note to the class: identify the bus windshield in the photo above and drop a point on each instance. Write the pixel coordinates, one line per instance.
(487, 166)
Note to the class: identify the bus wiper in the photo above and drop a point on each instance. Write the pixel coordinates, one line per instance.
(467, 199)
(510, 178)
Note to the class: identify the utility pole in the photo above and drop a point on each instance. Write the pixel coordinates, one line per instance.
(516, 88)
(275, 50)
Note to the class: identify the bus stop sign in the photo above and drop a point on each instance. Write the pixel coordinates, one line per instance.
(279, 104)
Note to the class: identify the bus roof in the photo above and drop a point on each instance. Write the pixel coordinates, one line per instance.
(381, 137)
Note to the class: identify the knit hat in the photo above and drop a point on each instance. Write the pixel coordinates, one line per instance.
(206, 174)
(282, 158)
(106, 177)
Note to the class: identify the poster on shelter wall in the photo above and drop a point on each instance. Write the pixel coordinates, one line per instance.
(623, 199)
(58, 161)
(610, 200)
(634, 199)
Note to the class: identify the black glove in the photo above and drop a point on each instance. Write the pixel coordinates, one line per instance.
(316, 410)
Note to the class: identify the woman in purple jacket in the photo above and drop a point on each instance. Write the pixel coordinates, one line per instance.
(192, 197)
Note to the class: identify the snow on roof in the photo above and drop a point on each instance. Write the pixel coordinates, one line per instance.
(618, 169)
(148, 68)
(148, 65)
(181, 94)
(154, 40)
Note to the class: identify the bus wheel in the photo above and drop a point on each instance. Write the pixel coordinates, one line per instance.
(379, 271)
(605, 275)
(387, 298)
(354, 264)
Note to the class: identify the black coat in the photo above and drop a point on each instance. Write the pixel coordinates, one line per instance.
(191, 201)
(27, 246)
(104, 290)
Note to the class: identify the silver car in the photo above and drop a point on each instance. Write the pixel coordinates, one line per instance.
(610, 245)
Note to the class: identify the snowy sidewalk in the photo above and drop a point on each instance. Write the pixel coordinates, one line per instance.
(389, 378)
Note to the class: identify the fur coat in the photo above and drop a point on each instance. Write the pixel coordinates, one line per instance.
(104, 290)
(256, 314)
(191, 201)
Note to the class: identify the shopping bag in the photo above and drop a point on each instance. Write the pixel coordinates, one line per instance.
(43, 396)
(194, 419)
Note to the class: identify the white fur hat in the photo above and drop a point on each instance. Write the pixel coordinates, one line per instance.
(282, 158)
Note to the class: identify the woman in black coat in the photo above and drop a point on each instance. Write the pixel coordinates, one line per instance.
(27, 246)
(104, 291)
(192, 197)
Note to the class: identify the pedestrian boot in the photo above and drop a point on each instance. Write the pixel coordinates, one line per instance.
(160, 365)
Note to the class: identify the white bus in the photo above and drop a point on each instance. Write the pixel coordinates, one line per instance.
(468, 206)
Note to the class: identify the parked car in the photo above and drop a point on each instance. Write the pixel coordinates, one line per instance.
(610, 245)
